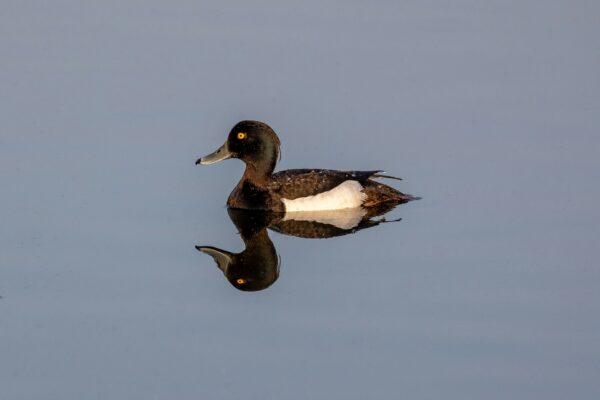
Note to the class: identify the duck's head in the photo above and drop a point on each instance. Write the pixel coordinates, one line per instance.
(253, 142)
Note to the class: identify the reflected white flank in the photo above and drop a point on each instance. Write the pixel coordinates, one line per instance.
(347, 218)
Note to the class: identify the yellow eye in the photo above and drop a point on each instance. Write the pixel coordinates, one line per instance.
(242, 135)
(241, 281)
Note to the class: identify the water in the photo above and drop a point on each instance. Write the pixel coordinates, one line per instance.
(486, 288)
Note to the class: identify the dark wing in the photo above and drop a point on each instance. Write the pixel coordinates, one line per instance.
(294, 183)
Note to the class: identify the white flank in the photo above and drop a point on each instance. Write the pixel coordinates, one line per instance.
(344, 219)
(346, 195)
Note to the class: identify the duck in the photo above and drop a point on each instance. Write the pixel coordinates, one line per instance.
(295, 190)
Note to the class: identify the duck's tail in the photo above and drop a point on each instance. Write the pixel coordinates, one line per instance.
(378, 193)
(383, 174)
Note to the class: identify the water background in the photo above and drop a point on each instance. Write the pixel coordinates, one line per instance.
(487, 289)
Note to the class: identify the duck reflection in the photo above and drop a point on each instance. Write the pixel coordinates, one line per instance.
(257, 267)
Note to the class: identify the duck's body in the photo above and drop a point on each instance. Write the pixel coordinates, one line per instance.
(313, 190)
(257, 145)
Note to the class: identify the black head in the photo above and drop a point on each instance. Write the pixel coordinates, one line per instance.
(253, 142)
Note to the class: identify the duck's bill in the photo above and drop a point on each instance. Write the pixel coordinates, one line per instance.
(221, 154)
(222, 257)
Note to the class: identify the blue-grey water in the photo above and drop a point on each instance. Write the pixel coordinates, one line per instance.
(488, 288)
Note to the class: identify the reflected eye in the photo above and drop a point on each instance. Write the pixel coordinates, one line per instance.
(240, 281)
(242, 135)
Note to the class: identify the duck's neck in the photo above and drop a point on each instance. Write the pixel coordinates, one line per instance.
(257, 176)
(259, 172)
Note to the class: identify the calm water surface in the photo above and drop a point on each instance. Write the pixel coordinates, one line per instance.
(487, 288)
